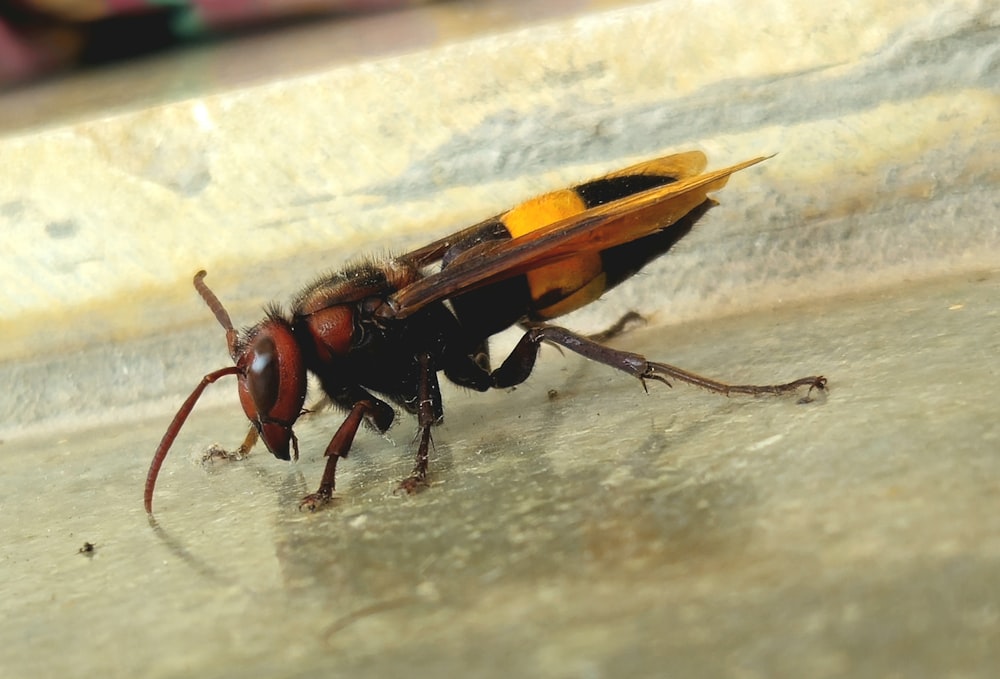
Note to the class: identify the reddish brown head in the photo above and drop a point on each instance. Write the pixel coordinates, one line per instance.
(272, 383)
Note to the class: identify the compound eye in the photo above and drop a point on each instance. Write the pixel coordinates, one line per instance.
(263, 377)
(273, 388)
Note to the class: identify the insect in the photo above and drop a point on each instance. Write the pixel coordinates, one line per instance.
(390, 327)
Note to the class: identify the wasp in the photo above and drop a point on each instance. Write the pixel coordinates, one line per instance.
(381, 332)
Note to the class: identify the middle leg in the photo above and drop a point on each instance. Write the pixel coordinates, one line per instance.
(428, 414)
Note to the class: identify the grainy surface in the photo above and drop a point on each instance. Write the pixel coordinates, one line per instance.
(602, 532)
(605, 532)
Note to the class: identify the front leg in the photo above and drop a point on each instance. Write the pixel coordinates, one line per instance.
(217, 452)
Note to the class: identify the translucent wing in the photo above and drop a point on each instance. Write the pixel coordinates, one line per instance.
(595, 229)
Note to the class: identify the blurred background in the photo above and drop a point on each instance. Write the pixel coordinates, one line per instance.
(42, 37)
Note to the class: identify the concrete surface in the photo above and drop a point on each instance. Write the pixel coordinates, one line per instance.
(605, 532)
(602, 532)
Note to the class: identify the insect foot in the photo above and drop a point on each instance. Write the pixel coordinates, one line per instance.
(315, 501)
(412, 485)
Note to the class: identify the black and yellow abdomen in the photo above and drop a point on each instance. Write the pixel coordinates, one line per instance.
(558, 288)
(573, 282)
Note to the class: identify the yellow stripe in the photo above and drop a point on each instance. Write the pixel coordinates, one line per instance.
(542, 211)
(571, 283)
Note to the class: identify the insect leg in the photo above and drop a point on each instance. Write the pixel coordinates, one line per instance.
(472, 372)
(217, 452)
(518, 365)
(629, 319)
(339, 446)
(428, 413)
